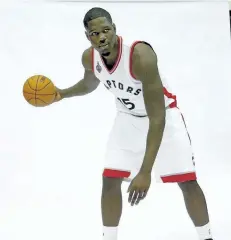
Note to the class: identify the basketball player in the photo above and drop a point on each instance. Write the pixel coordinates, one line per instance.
(149, 133)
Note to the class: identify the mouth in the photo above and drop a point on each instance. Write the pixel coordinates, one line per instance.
(103, 47)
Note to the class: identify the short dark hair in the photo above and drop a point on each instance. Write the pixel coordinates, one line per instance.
(95, 13)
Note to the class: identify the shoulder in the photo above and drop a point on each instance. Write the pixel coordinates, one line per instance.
(143, 58)
(87, 58)
(143, 52)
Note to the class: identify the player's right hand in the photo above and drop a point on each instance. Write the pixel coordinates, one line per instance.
(57, 96)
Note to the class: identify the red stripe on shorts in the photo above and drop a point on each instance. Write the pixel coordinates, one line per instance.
(179, 178)
(116, 173)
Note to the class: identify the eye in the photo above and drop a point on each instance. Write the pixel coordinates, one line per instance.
(94, 34)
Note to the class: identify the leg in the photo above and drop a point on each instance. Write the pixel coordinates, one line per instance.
(122, 159)
(177, 165)
(197, 208)
(111, 206)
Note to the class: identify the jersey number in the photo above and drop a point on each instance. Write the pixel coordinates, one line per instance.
(127, 103)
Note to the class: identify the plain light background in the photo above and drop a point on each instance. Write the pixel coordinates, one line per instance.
(51, 158)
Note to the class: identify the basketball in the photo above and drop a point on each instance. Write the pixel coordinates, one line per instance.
(39, 91)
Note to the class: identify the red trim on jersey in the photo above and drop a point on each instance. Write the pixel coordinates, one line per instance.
(179, 178)
(170, 95)
(116, 173)
(173, 105)
(130, 58)
(92, 60)
(120, 40)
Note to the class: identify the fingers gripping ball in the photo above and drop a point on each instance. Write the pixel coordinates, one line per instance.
(39, 91)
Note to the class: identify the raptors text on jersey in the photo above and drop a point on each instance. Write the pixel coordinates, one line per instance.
(121, 82)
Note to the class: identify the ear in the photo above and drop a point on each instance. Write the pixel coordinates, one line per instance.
(114, 26)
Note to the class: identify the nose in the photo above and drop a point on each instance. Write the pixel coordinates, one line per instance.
(102, 38)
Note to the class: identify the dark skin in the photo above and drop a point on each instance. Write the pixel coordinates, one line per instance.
(101, 32)
(102, 36)
(144, 67)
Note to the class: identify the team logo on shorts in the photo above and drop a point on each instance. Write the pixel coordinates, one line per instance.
(98, 67)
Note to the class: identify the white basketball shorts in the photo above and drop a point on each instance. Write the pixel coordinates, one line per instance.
(127, 144)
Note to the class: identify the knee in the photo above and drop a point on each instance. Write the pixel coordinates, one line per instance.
(111, 184)
(189, 186)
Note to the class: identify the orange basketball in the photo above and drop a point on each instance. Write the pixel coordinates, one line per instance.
(39, 91)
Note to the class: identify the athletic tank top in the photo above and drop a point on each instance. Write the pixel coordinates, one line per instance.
(121, 82)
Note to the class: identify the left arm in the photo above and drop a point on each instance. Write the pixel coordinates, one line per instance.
(146, 70)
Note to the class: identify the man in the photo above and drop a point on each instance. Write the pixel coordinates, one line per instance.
(149, 129)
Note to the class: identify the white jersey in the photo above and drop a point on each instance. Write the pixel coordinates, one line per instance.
(122, 83)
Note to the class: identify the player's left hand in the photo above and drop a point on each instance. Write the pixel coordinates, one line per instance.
(139, 187)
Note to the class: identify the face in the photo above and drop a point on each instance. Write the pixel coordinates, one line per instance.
(102, 35)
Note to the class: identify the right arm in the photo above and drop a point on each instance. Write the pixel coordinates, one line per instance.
(87, 85)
